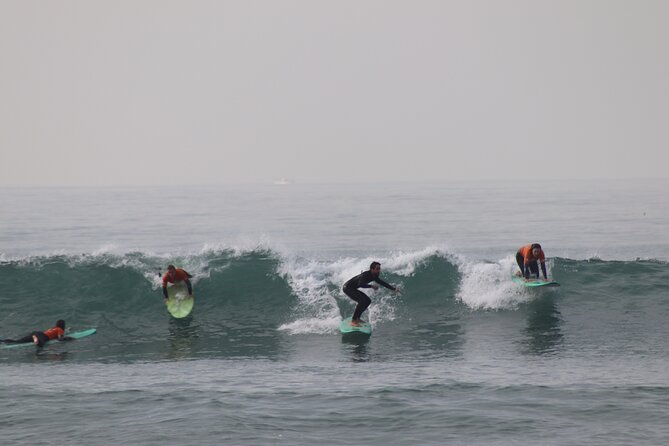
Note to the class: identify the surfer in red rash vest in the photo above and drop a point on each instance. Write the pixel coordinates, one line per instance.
(174, 275)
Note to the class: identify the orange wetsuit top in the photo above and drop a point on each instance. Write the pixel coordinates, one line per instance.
(54, 333)
(526, 252)
(179, 276)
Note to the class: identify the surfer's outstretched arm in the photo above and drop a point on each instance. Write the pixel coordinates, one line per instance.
(543, 270)
(165, 291)
(385, 284)
(190, 287)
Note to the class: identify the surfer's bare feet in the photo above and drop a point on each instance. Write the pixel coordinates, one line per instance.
(355, 323)
(35, 340)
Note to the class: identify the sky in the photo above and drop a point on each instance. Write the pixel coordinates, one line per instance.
(133, 93)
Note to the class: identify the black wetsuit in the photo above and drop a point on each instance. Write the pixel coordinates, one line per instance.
(41, 339)
(362, 281)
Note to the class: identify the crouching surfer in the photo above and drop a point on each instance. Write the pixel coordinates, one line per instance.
(174, 275)
(362, 280)
(528, 258)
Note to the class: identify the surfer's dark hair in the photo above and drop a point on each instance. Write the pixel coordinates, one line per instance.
(374, 265)
(536, 246)
(171, 267)
(60, 324)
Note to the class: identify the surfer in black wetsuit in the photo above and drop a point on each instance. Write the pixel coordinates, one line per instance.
(362, 281)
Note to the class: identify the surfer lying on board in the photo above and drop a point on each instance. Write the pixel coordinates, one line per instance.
(40, 338)
(362, 281)
(528, 258)
(176, 275)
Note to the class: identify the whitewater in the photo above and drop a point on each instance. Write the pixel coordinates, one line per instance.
(461, 356)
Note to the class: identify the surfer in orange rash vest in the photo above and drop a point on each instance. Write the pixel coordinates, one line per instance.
(528, 258)
(174, 275)
(40, 338)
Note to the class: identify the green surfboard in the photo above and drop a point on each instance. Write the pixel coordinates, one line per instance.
(75, 335)
(345, 327)
(532, 283)
(179, 303)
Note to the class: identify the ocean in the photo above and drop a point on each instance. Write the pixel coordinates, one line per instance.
(461, 356)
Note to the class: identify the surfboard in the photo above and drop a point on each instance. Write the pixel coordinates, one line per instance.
(532, 283)
(345, 327)
(179, 303)
(75, 335)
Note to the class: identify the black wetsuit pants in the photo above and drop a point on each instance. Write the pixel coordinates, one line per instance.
(41, 338)
(534, 266)
(361, 298)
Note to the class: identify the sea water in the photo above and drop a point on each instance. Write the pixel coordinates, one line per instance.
(461, 356)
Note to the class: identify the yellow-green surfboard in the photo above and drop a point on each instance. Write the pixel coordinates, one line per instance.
(179, 303)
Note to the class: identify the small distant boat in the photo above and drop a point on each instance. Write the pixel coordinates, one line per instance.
(282, 182)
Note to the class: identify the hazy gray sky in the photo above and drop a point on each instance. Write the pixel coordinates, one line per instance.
(152, 92)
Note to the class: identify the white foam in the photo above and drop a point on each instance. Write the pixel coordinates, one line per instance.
(243, 246)
(317, 285)
(489, 285)
(312, 325)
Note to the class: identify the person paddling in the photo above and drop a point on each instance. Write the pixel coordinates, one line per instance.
(39, 338)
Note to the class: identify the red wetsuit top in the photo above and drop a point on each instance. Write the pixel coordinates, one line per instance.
(526, 252)
(179, 276)
(54, 333)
